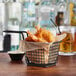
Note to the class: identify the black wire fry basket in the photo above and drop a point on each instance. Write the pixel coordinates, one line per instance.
(42, 57)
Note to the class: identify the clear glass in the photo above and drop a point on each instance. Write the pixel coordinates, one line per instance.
(1, 32)
(72, 8)
(74, 40)
(67, 42)
(13, 24)
(13, 21)
(14, 10)
(1, 29)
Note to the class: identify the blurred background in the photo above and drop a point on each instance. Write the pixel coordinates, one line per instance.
(22, 15)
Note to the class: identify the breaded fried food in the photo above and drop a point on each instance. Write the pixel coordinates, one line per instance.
(42, 35)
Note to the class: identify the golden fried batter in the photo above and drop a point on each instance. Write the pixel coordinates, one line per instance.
(42, 35)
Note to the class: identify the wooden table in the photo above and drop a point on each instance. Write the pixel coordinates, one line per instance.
(66, 66)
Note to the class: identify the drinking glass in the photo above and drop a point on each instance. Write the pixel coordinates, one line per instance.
(74, 40)
(67, 43)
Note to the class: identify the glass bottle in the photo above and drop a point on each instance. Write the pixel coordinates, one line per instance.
(2, 13)
(62, 6)
(13, 24)
(1, 32)
(14, 9)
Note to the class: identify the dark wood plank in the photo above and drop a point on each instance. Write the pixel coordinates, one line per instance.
(66, 66)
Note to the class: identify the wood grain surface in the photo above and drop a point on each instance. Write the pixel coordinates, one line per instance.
(66, 66)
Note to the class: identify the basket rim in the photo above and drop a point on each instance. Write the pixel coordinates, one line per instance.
(44, 42)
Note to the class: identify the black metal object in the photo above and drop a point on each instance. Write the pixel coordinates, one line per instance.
(7, 42)
(7, 39)
(42, 65)
(21, 32)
